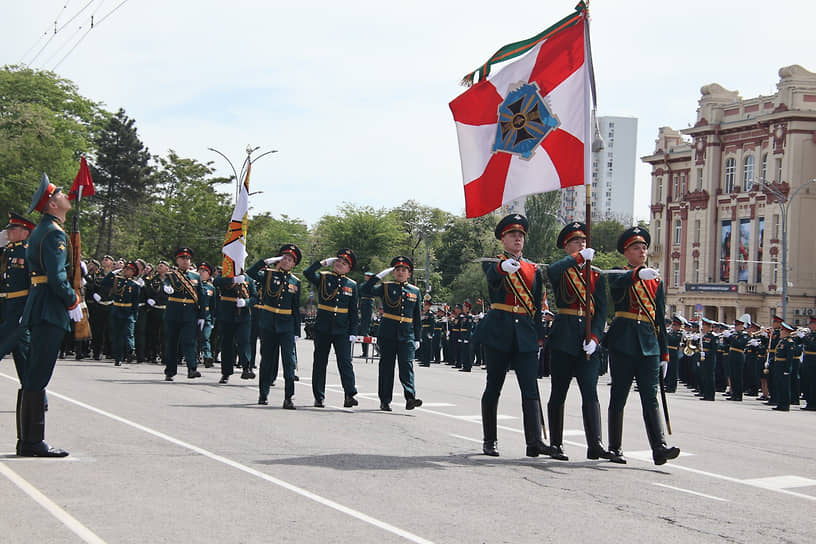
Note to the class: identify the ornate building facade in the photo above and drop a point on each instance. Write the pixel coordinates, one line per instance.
(720, 191)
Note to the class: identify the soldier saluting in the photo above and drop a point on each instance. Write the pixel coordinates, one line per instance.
(182, 315)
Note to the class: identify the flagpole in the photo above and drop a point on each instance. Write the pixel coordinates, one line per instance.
(590, 109)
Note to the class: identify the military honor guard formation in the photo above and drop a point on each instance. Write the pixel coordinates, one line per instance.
(166, 314)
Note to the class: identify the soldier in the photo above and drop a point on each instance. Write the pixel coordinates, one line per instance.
(237, 296)
(673, 340)
(279, 319)
(637, 344)
(753, 348)
(125, 309)
(336, 323)
(453, 338)
(428, 324)
(570, 352)
(510, 335)
(399, 330)
(785, 352)
(140, 327)
(736, 340)
(366, 309)
(102, 327)
(466, 326)
(205, 271)
(809, 366)
(182, 315)
(708, 358)
(14, 289)
(156, 300)
(50, 307)
(770, 368)
(440, 330)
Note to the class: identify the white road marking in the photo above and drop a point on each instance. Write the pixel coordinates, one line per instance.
(67, 519)
(781, 482)
(466, 438)
(691, 492)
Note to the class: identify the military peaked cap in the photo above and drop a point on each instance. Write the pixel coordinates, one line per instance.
(43, 194)
(402, 260)
(17, 220)
(576, 229)
(631, 236)
(205, 264)
(348, 255)
(514, 221)
(184, 252)
(293, 250)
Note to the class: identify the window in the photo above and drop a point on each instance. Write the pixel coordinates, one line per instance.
(697, 229)
(678, 231)
(748, 173)
(659, 190)
(775, 272)
(676, 275)
(682, 185)
(778, 170)
(776, 227)
(657, 231)
(696, 270)
(675, 187)
(763, 173)
(699, 179)
(730, 170)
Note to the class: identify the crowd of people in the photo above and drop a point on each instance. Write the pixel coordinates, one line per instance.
(177, 312)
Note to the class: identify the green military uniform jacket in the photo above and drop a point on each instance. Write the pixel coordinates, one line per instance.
(153, 290)
(278, 300)
(673, 340)
(51, 294)
(402, 313)
(710, 346)
(568, 329)
(336, 301)
(785, 352)
(207, 301)
(428, 324)
(809, 347)
(633, 331)
(14, 282)
(737, 343)
(125, 295)
(229, 293)
(184, 303)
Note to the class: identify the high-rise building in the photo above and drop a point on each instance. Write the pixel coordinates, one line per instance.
(720, 193)
(613, 176)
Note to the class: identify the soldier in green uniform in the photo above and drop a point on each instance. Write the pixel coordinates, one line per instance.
(708, 359)
(366, 309)
(428, 323)
(140, 327)
(770, 368)
(156, 300)
(182, 315)
(809, 366)
(205, 272)
(673, 340)
(399, 331)
(125, 308)
(570, 352)
(737, 340)
(721, 378)
(466, 327)
(784, 354)
(637, 344)
(236, 297)
(50, 307)
(439, 332)
(510, 335)
(336, 323)
(453, 337)
(753, 349)
(14, 289)
(279, 319)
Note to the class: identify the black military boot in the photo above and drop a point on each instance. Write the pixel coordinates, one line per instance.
(531, 413)
(32, 427)
(654, 431)
(592, 431)
(555, 415)
(615, 422)
(19, 424)
(349, 401)
(489, 431)
(208, 362)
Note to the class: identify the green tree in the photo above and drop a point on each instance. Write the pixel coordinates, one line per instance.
(464, 240)
(45, 125)
(604, 235)
(542, 213)
(471, 285)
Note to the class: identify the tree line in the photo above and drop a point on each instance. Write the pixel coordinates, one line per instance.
(147, 205)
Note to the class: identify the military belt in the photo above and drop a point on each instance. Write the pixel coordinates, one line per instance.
(508, 308)
(398, 318)
(123, 304)
(14, 294)
(810, 352)
(672, 347)
(334, 309)
(105, 302)
(157, 307)
(630, 315)
(570, 311)
(181, 300)
(737, 350)
(229, 299)
(36, 280)
(281, 311)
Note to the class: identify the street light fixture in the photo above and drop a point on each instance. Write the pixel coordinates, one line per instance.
(247, 161)
(784, 202)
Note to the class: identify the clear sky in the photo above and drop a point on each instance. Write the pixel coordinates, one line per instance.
(354, 95)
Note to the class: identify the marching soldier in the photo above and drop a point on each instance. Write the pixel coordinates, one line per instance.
(776, 324)
(50, 307)
(754, 357)
(570, 353)
(237, 296)
(736, 341)
(140, 327)
(466, 326)
(399, 331)
(336, 323)
(673, 340)
(205, 271)
(637, 344)
(156, 300)
(279, 319)
(785, 352)
(439, 332)
(366, 309)
(453, 337)
(14, 289)
(708, 359)
(182, 315)
(124, 311)
(510, 335)
(428, 325)
(809, 366)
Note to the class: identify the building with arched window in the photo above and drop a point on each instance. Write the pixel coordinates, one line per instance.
(721, 247)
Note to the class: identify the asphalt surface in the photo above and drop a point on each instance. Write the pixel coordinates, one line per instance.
(195, 461)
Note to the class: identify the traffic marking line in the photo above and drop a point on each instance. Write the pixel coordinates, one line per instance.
(691, 492)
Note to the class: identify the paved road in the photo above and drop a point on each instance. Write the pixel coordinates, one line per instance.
(195, 461)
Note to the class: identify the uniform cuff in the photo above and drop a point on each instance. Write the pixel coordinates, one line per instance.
(579, 259)
(664, 357)
(75, 304)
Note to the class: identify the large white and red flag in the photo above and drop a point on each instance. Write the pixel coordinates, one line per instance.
(526, 129)
(234, 249)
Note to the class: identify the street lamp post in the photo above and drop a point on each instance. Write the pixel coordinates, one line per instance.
(784, 202)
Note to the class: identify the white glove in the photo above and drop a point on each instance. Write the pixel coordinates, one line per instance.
(201, 324)
(352, 338)
(589, 348)
(767, 364)
(416, 344)
(238, 279)
(385, 272)
(96, 297)
(329, 261)
(83, 267)
(727, 333)
(801, 334)
(702, 355)
(75, 314)
(240, 303)
(139, 282)
(510, 266)
(82, 282)
(664, 368)
(296, 338)
(587, 253)
(150, 302)
(272, 260)
(648, 274)
(169, 290)
(753, 342)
